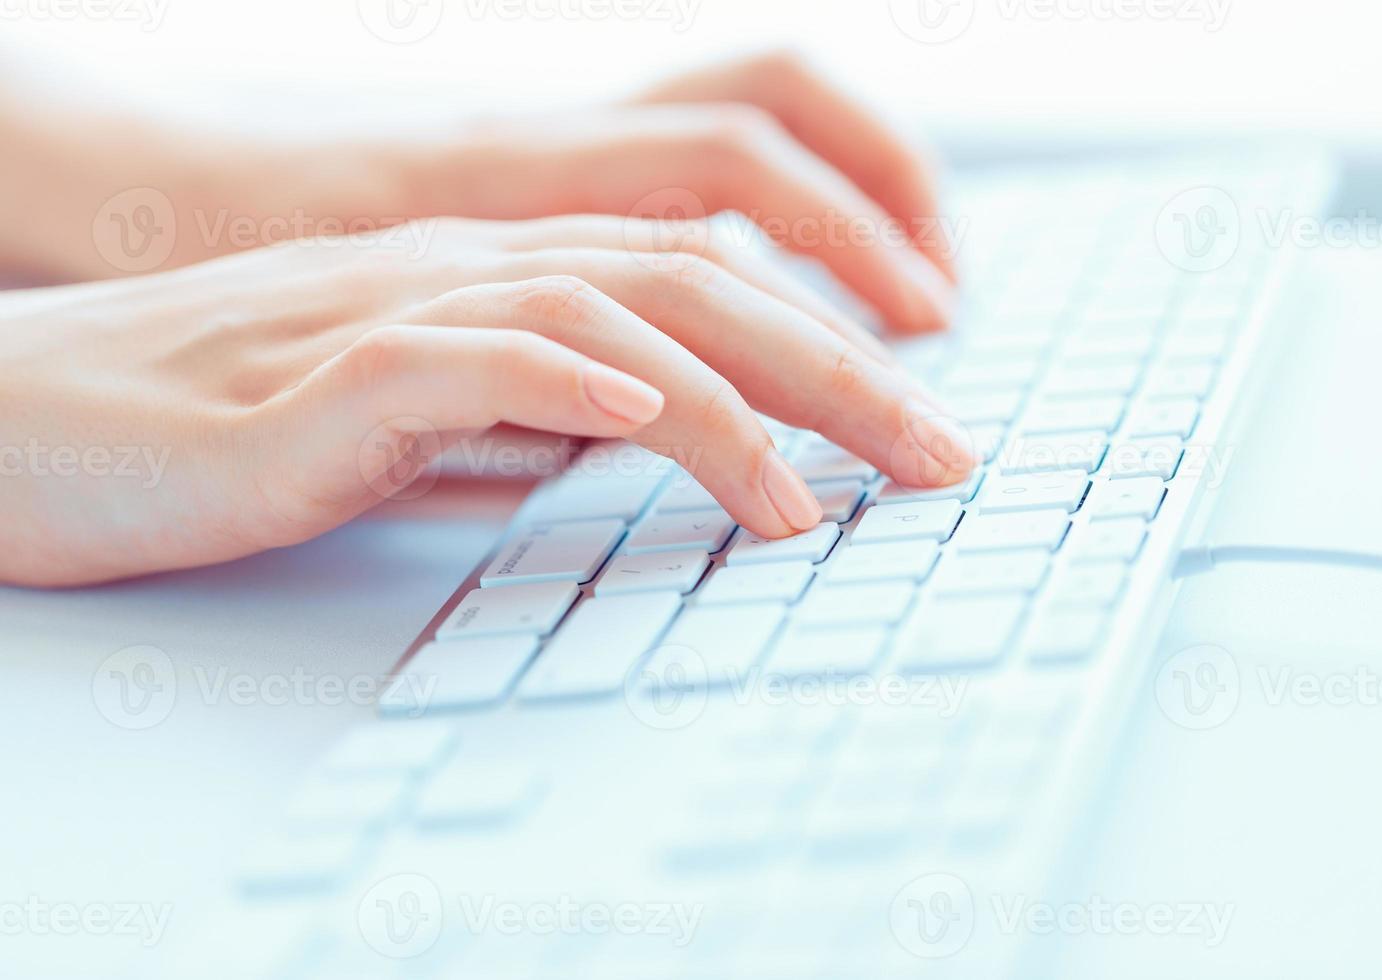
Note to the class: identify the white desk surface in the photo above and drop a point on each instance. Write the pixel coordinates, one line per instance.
(1273, 812)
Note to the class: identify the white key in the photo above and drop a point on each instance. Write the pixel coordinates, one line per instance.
(553, 552)
(604, 638)
(684, 493)
(1136, 497)
(1002, 375)
(838, 498)
(958, 632)
(467, 791)
(923, 519)
(773, 582)
(1077, 380)
(626, 477)
(1120, 538)
(677, 571)
(998, 532)
(1033, 492)
(894, 492)
(458, 674)
(1064, 634)
(1158, 457)
(1171, 417)
(706, 530)
(824, 461)
(909, 560)
(1192, 379)
(536, 607)
(985, 407)
(812, 545)
(874, 604)
(1087, 584)
(408, 746)
(1049, 453)
(980, 574)
(1074, 415)
(1107, 345)
(724, 644)
(847, 651)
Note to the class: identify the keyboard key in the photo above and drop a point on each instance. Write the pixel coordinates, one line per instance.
(909, 560)
(1185, 379)
(782, 581)
(1082, 451)
(1074, 415)
(874, 604)
(571, 551)
(536, 607)
(998, 532)
(825, 461)
(1064, 634)
(620, 487)
(677, 571)
(818, 652)
(978, 574)
(458, 674)
(987, 375)
(604, 638)
(1158, 457)
(894, 492)
(725, 643)
(838, 498)
(1107, 345)
(982, 407)
(1120, 538)
(398, 746)
(1135, 497)
(684, 493)
(930, 519)
(1084, 380)
(705, 530)
(958, 632)
(1033, 491)
(467, 791)
(1087, 584)
(1172, 417)
(812, 545)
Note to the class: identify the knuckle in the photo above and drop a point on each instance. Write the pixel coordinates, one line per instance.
(686, 272)
(725, 416)
(742, 131)
(849, 374)
(375, 357)
(780, 65)
(564, 301)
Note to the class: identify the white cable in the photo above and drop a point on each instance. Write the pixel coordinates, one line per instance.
(1194, 561)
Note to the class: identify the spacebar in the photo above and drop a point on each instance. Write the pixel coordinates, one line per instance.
(599, 644)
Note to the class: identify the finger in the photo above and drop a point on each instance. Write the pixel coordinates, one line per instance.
(708, 241)
(352, 421)
(835, 127)
(784, 362)
(706, 426)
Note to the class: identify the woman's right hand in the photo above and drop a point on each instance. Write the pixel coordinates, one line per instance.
(278, 386)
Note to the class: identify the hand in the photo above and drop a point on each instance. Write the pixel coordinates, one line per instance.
(267, 395)
(765, 137)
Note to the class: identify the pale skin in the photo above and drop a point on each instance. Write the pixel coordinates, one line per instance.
(284, 381)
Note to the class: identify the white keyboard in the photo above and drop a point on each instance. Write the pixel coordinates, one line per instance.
(831, 751)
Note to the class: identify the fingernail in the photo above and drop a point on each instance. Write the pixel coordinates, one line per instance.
(944, 453)
(933, 296)
(621, 395)
(793, 500)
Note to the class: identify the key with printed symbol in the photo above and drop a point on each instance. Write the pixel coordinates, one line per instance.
(1082, 451)
(572, 551)
(1171, 417)
(535, 607)
(772, 582)
(812, 545)
(704, 530)
(1118, 538)
(1136, 497)
(924, 519)
(1183, 379)
(1002, 494)
(1159, 457)
(1087, 584)
(1023, 529)
(653, 571)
